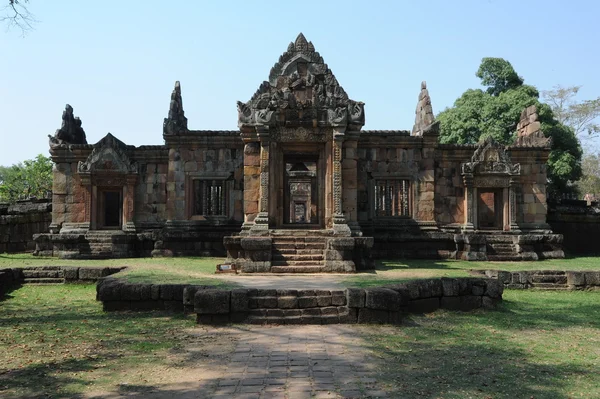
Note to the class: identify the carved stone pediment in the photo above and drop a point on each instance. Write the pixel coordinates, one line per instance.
(490, 158)
(301, 91)
(108, 157)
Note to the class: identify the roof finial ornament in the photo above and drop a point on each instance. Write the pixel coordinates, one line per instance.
(424, 117)
(176, 122)
(301, 43)
(70, 131)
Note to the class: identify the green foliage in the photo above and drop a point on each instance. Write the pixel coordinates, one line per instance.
(478, 114)
(31, 178)
(498, 75)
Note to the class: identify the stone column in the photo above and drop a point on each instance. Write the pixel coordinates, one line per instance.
(251, 184)
(512, 205)
(340, 226)
(129, 204)
(261, 223)
(350, 177)
(470, 205)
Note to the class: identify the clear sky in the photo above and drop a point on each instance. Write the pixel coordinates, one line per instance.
(116, 62)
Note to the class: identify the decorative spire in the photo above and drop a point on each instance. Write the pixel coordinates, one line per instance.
(70, 131)
(424, 113)
(176, 122)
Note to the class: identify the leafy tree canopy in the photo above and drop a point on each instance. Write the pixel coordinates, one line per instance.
(590, 182)
(31, 178)
(495, 112)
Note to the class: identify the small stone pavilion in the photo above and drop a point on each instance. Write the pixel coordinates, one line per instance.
(300, 187)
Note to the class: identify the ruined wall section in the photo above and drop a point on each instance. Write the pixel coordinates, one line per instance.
(20, 221)
(69, 196)
(532, 207)
(151, 188)
(450, 190)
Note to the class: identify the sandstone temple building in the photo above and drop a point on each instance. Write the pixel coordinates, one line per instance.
(300, 187)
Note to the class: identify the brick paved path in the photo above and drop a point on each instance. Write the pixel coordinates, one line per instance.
(294, 362)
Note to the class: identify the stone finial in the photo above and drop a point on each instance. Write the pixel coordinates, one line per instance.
(424, 113)
(176, 122)
(70, 131)
(529, 130)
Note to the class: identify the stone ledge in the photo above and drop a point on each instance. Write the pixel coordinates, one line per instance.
(544, 279)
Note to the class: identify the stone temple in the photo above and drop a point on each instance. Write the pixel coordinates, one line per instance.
(300, 187)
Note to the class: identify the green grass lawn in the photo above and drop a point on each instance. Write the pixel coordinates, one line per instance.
(395, 271)
(188, 270)
(540, 344)
(57, 342)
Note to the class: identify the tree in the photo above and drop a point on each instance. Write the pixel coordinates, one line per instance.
(581, 116)
(590, 182)
(30, 178)
(495, 112)
(16, 14)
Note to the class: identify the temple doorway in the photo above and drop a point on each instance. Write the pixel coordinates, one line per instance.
(301, 191)
(110, 209)
(490, 208)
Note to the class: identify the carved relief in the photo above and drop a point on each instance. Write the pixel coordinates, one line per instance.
(490, 158)
(108, 156)
(176, 122)
(301, 91)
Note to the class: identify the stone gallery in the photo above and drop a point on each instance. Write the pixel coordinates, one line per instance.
(300, 187)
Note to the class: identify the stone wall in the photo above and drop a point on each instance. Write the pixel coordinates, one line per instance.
(20, 221)
(372, 305)
(545, 279)
(579, 223)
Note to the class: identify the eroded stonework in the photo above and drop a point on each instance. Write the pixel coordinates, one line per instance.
(300, 187)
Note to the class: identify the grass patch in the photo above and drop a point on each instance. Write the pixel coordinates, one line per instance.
(538, 345)
(179, 270)
(57, 342)
(397, 271)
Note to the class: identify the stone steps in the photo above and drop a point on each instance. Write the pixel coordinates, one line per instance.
(298, 269)
(297, 245)
(43, 280)
(324, 315)
(289, 262)
(296, 257)
(33, 274)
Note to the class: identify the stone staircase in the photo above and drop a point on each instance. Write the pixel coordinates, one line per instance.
(297, 254)
(43, 275)
(103, 244)
(502, 247)
(297, 307)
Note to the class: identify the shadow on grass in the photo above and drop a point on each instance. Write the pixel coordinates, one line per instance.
(515, 352)
(408, 264)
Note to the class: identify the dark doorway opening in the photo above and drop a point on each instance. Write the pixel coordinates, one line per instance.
(110, 209)
(301, 195)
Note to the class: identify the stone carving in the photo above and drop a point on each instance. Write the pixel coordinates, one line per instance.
(70, 131)
(176, 122)
(300, 134)
(108, 156)
(301, 91)
(490, 158)
(529, 130)
(424, 117)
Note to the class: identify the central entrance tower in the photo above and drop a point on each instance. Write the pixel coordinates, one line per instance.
(300, 133)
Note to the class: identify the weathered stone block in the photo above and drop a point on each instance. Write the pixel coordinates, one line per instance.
(70, 273)
(355, 297)
(348, 315)
(287, 302)
(382, 298)
(287, 292)
(212, 301)
(92, 273)
(338, 300)
(267, 302)
(239, 300)
(592, 279)
(449, 286)
(494, 289)
(464, 303)
(426, 305)
(575, 278)
(307, 302)
(189, 293)
(324, 301)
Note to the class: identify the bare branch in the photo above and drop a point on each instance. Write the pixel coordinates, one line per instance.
(16, 15)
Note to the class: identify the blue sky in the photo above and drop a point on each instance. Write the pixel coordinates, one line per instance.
(116, 62)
